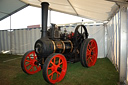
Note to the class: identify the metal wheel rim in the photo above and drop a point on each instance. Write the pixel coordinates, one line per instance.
(59, 75)
(29, 63)
(91, 53)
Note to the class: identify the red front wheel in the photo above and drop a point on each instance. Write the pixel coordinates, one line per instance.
(54, 68)
(88, 52)
(28, 63)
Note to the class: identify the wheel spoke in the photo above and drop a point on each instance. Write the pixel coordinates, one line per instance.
(88, 58)
(27, 64)
(88, 52)
(91, 59)
(27, 61)
(57, 72)
(89, 47)
(92, 43)
(60, 63)
(57, 76)
(88, 61)
(34, 55)
(30, 68)
(50, 68)
(94, 55)
(78, 33)
(51, 73)
(59, 60)
(36, 67)
(52, 76)
(30, 57)
(93, 48)
(52, 63)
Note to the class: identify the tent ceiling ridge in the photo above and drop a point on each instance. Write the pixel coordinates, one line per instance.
(3, 12)
(59, 4)
(72, 7)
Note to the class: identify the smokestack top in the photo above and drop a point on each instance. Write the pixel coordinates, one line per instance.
(42, 3)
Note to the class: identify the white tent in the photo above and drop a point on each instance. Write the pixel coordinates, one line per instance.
(99, 10)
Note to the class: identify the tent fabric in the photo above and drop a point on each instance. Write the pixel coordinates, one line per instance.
(23, 40)
(99, 10)
(9, 7)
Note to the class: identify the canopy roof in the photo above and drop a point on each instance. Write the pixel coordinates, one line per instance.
(100, 10)
(9, 7)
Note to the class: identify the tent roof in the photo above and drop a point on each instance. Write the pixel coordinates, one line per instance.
(100, 10)
(9, 7)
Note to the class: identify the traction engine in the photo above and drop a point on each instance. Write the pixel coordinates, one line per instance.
(53, 50)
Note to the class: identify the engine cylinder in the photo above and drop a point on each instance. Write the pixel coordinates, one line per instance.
(62, 46)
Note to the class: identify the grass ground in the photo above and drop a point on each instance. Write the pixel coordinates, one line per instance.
(103, 73)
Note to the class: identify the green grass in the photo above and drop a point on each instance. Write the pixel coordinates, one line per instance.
(103, 73)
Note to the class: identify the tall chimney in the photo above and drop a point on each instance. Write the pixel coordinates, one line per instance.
(44, 6)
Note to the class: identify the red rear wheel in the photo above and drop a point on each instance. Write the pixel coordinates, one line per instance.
(89, 52)
(28, 63)
(54, 68)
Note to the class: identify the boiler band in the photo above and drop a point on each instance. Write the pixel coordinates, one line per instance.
(62, 46)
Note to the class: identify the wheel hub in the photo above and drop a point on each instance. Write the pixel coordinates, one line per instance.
(33, 62)
(92, 53)
(56, 68)
(59, 69)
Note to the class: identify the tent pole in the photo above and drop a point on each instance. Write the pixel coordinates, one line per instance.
(10, 36)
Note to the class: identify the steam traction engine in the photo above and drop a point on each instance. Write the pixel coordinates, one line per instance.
(53, 50)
